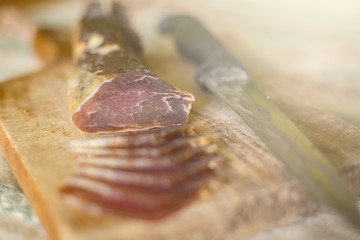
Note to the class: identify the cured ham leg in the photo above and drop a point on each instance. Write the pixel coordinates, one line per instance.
(111, 88)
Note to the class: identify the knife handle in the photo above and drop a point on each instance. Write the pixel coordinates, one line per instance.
(199, 46)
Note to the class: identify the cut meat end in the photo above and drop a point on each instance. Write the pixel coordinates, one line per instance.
(199, 181)
(133, 101)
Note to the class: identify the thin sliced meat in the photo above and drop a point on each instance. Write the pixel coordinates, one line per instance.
(189, 184)
(161, 150)
(126, 194)
(172, 160)
(146, 138)
(162, 178)
(110, 204)
(147, 174)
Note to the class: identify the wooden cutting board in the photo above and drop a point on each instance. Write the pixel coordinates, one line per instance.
(256, 192)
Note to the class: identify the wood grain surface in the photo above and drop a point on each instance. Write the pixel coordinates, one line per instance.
(256, 193)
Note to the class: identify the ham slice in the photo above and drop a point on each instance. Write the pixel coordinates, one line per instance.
(143, 163)
(163, 178)
(111, 88)
(87, 194)
(150, 152)
(146, 138)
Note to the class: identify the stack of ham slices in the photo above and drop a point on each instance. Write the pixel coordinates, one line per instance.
(148, 174)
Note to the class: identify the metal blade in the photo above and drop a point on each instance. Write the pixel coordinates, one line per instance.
(221, 74)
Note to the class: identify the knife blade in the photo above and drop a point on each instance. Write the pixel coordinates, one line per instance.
(221, 73)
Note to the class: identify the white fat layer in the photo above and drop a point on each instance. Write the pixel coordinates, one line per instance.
(118, 162)
(94, 45)
(106, 49)
(95, 41)
(167, 97)
(93, 186)
(153, 151)
(100, 173)
(116, 176)
(145, 76)
(82, 204)
(189, 99)
(165, 100)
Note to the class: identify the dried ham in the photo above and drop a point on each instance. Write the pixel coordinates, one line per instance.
(148, 180)
(147, 138)
(125, 202)
(164, 177)
(111, 88)
(154, 151)
(167, 161)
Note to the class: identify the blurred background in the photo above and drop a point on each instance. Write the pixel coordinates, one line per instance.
(304, 50)
(311, 42)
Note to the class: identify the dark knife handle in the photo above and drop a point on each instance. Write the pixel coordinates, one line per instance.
(199, 46)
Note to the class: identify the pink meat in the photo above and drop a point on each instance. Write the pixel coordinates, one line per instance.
(136, 100)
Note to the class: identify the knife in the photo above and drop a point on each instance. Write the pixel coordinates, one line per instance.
(222, 74)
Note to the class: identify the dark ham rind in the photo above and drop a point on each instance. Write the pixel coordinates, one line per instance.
(111, 88)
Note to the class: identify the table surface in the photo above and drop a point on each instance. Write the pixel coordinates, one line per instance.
(311, 44)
